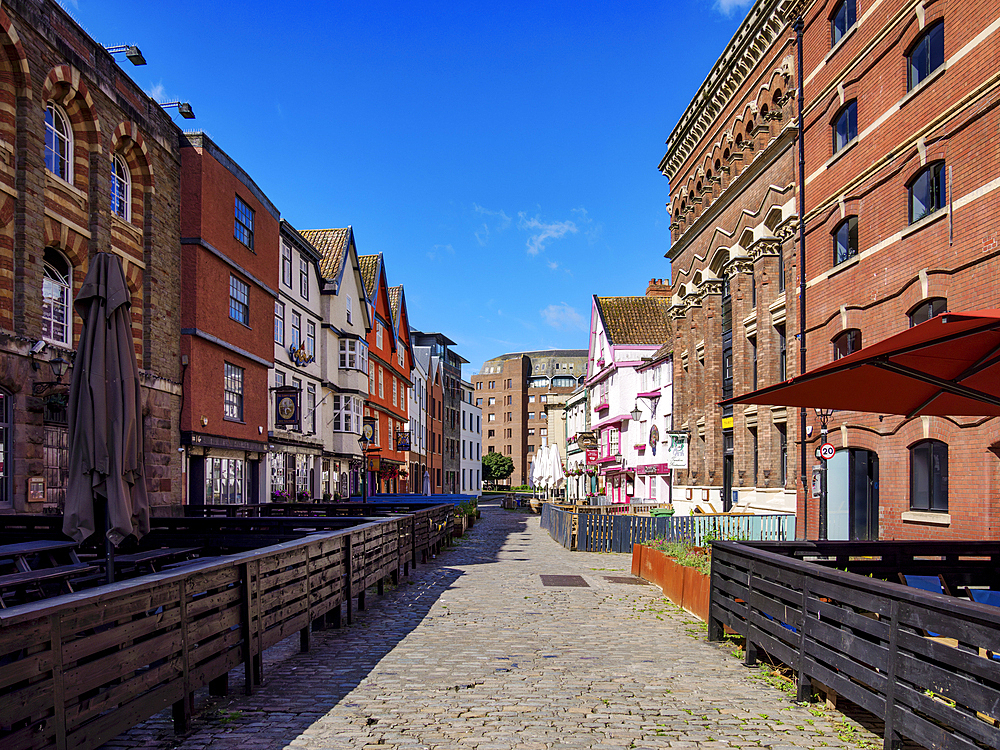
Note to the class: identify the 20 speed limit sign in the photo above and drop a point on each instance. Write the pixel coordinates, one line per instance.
(827, 451)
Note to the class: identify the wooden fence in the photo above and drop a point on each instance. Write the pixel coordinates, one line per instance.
(598, 532)
(77, 670)
(923, 663)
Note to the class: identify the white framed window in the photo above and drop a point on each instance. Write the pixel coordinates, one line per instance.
(121, 188)
(303, 278)
(349, 314)
(378, 335)
(394, 403)
(279, 323)
(57, 300)
(58, 142)
(311, 407)
(239, 300)
(286, 265)
(348, 355)
(381, 383)
(234, 392)
(399, 353)
(296, 330)
(311, 338)
(279, 378)
(243, 224)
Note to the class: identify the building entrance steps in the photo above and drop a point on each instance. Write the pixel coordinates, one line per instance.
(474, 651)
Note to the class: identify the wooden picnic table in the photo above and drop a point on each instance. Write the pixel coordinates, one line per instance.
(155, 559)
(36, 565)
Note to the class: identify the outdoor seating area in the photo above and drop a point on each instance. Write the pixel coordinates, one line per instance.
(207, 595)
(835, 613)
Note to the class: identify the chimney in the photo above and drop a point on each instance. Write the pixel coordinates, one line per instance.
(657, 288)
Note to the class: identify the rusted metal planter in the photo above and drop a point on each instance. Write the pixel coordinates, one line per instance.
(683, 585)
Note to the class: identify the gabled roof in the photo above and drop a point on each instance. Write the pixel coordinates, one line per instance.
(332, 245)
(395, 297)
(635, 320)
(369, 273)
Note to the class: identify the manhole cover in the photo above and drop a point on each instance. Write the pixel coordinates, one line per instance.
(626, 579)
(552, 580)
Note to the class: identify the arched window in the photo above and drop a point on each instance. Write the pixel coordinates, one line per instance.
(121, 188)
(58, 143)
(846, 343)
(929, 476)
(57, 313)
(926, 55)
(841, 20)
(845, 125)
(927, 310)
(845, 240)
(926, 191)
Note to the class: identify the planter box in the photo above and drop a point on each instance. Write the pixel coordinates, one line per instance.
(684, 586)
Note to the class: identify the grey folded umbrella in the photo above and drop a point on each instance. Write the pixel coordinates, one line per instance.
(105, 412)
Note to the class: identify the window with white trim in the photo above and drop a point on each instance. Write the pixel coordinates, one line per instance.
(311, 338)
(349, 315)
(233, 392)
(57, 318)
(286, 265)
(239, 300)
(296, 330)
(243, 224)
(279, 323)
(378, 335)
(303, 278)
(58, 142)
(121, 188)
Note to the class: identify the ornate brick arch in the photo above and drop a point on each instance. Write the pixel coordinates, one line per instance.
(65, 85)
(127, 140)
(73, 244)
(14, 52)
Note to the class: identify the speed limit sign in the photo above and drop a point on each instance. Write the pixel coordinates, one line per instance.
(826, 451)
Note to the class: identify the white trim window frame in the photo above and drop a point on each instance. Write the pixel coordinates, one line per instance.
(58, 143)
(121, 188)
(57, 298)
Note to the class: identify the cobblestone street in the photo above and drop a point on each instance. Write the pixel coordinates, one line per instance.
(474, 652)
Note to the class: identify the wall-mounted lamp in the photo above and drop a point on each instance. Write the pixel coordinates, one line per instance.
(131, 52)
(636, 412)
(182, 107)
(58, 366)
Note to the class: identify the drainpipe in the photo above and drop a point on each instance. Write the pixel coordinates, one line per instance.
(797, 26)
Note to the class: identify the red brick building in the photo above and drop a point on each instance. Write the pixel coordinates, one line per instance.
(230, 248)
(389, 360)
(900, 223)
(88, 163)
(435, 424)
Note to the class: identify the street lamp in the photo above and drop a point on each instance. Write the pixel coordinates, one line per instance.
(367, 435)
(183, 108)
(131, 52)
(636, 412)
(824, 417)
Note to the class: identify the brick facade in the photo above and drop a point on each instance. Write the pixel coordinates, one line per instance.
(50, 59)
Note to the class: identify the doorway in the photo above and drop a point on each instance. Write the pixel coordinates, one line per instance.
(852, 495)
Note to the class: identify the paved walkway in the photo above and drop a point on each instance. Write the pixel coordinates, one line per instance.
(474, 652)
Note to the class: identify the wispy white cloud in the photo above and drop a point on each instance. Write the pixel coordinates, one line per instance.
(552, 264)
(439, 251)
(726, 7)
(563, 317)
(499, 220)
(542, 231)
(157, 92)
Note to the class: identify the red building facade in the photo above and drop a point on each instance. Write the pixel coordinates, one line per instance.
(389, 361)
(230, 248)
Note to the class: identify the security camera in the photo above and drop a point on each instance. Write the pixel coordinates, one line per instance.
(39, 347)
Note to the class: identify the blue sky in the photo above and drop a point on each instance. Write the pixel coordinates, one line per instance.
(502, 156)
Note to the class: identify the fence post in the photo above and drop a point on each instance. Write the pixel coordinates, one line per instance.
(891, 740)
(804, 687)
(750, 646)
(714, 624)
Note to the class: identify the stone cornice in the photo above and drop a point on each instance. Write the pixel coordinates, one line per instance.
(753, 39)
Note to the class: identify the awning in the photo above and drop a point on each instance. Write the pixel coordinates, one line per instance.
(612, 420)
(947, 366)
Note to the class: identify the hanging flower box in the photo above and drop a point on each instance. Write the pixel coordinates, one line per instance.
(640, 447)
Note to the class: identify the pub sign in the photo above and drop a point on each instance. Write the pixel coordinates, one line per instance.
(286, 406)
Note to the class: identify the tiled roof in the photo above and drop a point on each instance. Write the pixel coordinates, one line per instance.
(395, 296)
(636, 320)
(332, 244)
(662, 352)
(369, 273)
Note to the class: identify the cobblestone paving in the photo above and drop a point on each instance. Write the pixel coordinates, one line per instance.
(474, 653)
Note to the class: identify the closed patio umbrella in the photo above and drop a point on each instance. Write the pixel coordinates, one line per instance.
(427, 482)
(105, 414)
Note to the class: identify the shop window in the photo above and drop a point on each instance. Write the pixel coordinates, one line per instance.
(225, 481)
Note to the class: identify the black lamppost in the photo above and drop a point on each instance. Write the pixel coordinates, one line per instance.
(367, 435)
(824, 417)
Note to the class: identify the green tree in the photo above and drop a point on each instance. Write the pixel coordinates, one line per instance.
(496, 468)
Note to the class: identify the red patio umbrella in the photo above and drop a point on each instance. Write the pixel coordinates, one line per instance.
(949, 365)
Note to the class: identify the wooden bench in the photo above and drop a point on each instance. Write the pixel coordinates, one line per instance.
(154, 559)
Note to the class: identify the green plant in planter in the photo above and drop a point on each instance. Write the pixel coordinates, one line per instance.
(685, 554)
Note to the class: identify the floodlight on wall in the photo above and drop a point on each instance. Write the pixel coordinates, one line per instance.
(131, 52)
(182, 107)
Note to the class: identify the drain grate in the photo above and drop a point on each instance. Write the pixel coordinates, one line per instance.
(626, 579)
(553, 580)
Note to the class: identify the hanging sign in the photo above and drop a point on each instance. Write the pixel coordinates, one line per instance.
(677, 451)
(402, 441)
(654, 438)
(286, 406)
(591, 457)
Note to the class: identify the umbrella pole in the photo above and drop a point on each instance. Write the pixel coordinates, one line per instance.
(109, 548)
